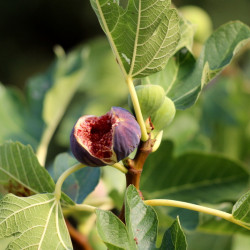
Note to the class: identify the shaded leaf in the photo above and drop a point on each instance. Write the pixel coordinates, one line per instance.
(79, 184)
(174, 238)
(216, 54)
(189, 219)
(193, 177)
(174, 75)
(33, 222)
(16, 121)
(137, 28)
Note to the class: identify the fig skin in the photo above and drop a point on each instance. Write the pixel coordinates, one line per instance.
(150, 98)
(124, 136)
(164, 115)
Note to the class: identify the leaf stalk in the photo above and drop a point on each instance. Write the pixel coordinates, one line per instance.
(194, 207)
(62, 178)
(137, 108)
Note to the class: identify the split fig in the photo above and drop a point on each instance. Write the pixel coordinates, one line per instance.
(105, 140)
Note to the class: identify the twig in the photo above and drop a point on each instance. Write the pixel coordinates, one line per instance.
(79, 240)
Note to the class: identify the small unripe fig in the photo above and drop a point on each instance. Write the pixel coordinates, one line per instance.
(150, 98)
(200, 19)
(164, 115)
(105, 140)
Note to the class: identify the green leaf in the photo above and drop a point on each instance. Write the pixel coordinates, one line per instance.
(173, 77)
(190, 75)
(241, 210)
(140, 231)
(79, 184)
(20, 171)
(174, 238)
(112, 231)
(137, 28)
(16, 121)
(34, 222)
(187, 30)
(141, 220)
(192, 177)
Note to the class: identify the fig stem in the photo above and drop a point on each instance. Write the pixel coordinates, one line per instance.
(137, 108)
(62, 178)
(120, 167)
(135, 168)
(194, 207)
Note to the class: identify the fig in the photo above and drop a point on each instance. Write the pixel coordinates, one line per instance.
(200, 19)
(105, 140)
(150, 98)
(164, 115)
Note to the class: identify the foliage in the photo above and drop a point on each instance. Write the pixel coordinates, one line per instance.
(201, 160)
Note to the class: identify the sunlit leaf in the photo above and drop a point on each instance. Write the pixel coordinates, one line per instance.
(189, 77)
(34, 222)
(20, 171)
(142, 34)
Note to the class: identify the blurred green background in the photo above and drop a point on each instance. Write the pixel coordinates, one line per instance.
(29, 29)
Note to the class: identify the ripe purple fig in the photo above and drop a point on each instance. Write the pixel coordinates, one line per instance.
(105, 140)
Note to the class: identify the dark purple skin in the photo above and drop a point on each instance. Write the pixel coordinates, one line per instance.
(127, 134)
(126, 137)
